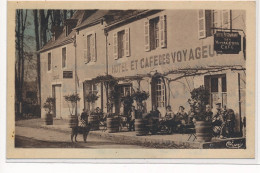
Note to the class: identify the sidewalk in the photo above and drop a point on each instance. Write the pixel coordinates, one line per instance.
(179, 141)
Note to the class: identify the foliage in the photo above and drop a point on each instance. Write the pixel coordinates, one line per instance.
(72, 100)
(199, 100)
(127, 102)
(139, 97)
(49, 104)
(91, 97)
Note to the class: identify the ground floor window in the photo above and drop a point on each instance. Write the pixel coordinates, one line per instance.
(159, 92)
(90, 88)
(217, 86)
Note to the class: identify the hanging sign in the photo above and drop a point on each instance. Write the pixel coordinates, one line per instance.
(67, 74)
(227, 42)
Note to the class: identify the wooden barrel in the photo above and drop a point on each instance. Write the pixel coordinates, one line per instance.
(203, 131)
(94, 121)
(141, 127)
(73, 121)
(112, 125)
(48, 119)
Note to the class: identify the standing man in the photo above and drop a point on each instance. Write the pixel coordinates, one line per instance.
(132, 118)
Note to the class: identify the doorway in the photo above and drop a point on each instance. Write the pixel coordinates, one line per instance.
(56, 93)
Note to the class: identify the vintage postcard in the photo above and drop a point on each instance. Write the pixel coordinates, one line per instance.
(131, 79)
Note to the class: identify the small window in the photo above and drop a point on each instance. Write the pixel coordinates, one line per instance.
(154, 33)
(64, 57)
(49, 61)
(121, 43)
(90, 48)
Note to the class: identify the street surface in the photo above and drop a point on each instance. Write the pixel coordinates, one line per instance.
(27, 137)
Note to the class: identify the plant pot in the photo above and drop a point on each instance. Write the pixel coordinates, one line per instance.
(48, 119)
(141, 127)
(94, 121)
(73, 121)
(203, 131)
(112, 125)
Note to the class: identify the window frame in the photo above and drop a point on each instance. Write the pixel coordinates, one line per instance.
(49, 71)
(92, 58)
(156, 35)
(122, 45)
(62, 57)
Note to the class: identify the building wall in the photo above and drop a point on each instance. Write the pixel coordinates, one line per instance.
(88, 71)
(184, 50)
(55, 76)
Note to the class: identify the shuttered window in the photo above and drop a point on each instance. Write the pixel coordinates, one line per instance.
(155, 33)
(49, 61)
(121, 43)
(90, 48)
(64, 57)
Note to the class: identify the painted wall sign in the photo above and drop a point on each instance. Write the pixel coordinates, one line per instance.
(185, 55)
(227, 42)
(67, 74)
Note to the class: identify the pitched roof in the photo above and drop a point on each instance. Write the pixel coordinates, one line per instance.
(62, 39)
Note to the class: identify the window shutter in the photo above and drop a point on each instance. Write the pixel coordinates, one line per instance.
(202, 24)
(127, 42)
(146, 36)
(115, 45)
(163, 29)
(226, 19)
(93, 48)
(86, 59)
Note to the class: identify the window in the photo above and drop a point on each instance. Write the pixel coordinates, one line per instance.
(121, 42)
(209, 19)
(49, 61)
(90, 48)
(155, 33)
(64, 57)
(89, 88)
(159, 93)
(125, 90)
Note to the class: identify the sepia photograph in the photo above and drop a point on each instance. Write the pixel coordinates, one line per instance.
(131, 79)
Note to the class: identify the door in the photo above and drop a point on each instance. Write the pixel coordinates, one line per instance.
(217, 86)
(57, 95)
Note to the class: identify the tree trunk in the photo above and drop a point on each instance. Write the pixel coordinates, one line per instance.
(37, 40)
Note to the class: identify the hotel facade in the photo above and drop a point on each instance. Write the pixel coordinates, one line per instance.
(166, 53)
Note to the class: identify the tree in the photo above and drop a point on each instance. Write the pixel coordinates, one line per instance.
(21, 17)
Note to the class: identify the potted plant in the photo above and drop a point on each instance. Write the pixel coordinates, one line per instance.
(72, 100)
(140, 123)
(91, 98)
(49, 106)
(199, 100)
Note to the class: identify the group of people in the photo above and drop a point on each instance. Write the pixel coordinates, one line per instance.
(222, 120)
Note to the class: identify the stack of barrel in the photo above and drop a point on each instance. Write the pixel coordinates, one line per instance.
(94, 121)
(141, 127)
(48, 119)
(73, 121)
(112, 125)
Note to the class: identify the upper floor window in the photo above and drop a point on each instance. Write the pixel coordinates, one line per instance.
(90, 48)
(64, 57)
(121, 43)
(209, 19)
(49, 61)
(155, 32)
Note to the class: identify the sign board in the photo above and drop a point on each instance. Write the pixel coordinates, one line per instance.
(67, 74)
(227, 42)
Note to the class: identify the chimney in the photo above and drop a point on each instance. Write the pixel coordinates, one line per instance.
(69, 25)
(56, 31)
